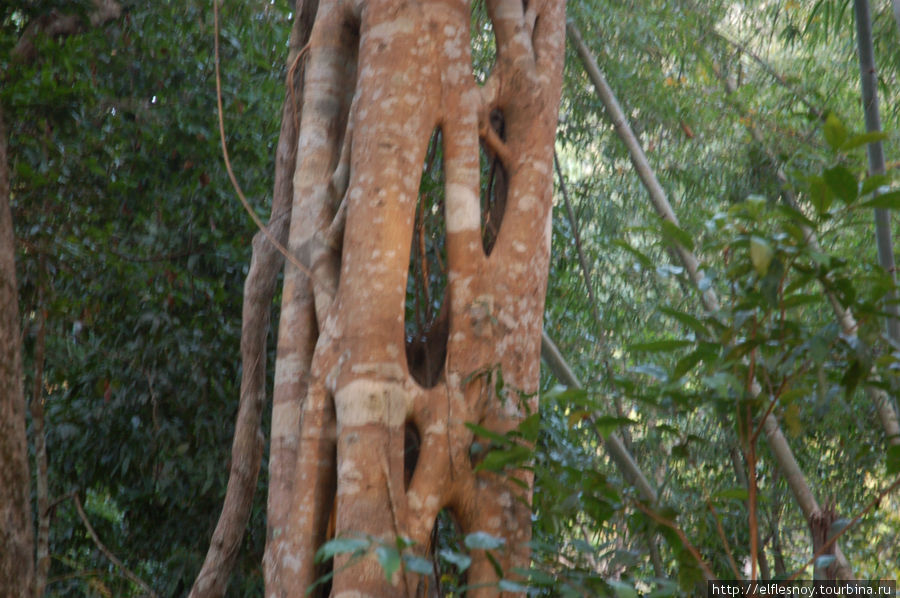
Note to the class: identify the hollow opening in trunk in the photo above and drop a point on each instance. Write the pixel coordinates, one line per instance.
(493, 185)
(427, 321)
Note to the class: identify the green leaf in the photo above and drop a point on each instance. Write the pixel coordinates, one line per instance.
(835, 132)
(687, 363)
(607, 424)
(483, 541)
(499, 459)
(842, 182)
(837, 527)
(495, 564)
(761, 254)
(851, 377)
(824, 561)
(889, 201)
(820, 195)
(641, 257)
(341, 546)
(858, 140)
(417, 564)
(566, 395)
(665, 590)
(529, 427)
(798, 299)
(687, 320)
(485, 433)
(730, 494)
(659, 346)
(871, 183)
(511, 586)
(459, 560)
(389, 559)
(893, 460)
(673, 233)
(622, 589)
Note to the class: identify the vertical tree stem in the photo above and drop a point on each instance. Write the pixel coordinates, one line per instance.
(868, 81)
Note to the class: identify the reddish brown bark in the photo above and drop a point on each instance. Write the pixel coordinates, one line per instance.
(380, 78)
(16, 534)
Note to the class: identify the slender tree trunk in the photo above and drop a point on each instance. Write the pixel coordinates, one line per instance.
(869, 83)
(16, 534)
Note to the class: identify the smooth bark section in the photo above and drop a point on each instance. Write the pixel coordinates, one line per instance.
(259, 290)
(16, 534)
(868, 77)
(783, 454)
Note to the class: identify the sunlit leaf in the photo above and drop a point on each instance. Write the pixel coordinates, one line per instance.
(761, 254)
(483, 541)
(835, 132)
(389, 559)
(341, 546)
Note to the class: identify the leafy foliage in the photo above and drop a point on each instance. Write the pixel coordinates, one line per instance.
(131, 240)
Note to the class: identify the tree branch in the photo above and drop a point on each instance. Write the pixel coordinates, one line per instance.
(109, 555)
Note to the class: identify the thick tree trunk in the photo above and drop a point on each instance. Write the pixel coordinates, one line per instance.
(16, 534)
(380, 79)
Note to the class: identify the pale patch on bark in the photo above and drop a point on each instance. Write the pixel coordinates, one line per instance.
(363, 402)
(463, 211)
(285, 421)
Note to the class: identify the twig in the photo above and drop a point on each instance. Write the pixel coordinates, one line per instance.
(109, 555)
(721, 530)
(681, 535)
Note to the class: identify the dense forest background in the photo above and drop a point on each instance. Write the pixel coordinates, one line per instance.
(132, 251)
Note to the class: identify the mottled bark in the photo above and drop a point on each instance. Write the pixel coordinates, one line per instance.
(16, 535)
(380, 78)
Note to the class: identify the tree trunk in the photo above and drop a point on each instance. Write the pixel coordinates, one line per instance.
(16, 535)
(380, 79)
